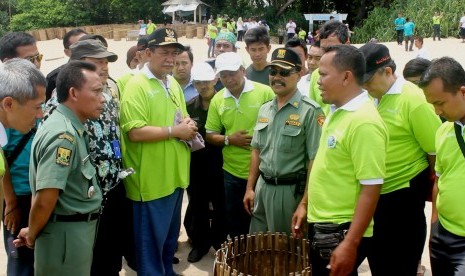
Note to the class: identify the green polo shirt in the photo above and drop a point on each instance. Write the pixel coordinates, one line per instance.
(160, 166)
(436, 19)
(287, 138)
(121, 82)
(412, 125)
(315, 93)
(450, 167)
(212, 31)
(231, 115)
(60, 160)
(352, 153)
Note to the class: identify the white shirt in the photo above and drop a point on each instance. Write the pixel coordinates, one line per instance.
(291, 27)
(462, 22)
(304, 85)
(423, 53)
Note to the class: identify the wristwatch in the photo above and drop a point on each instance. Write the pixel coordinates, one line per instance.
(226, 140)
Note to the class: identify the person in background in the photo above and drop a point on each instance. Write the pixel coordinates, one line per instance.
(205, 215)
(212, 33)
(257, 41)
(182, 73)
(437, 25)
(422, 51)
(302, 34)
(290, 29)
(240, 29)
(399, 23)
(69, 39)
(414, 69)
(409, 31)
(131, 58)
(151, 27)
(313, 61)
(462, 27)
(444, 86)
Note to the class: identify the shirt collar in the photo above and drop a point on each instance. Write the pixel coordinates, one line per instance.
(3, 137)
(461, 125)
(248, 87)
(354, 104)
(396, 87)
(293, 101)
(146, 71)
(72, 118)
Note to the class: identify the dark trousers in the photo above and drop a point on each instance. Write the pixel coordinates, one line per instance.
(436, 31)
(400, 230)
(240, 35)
(115, 237)
(447, 252)
(319, 264)
(205, 215)
(20, 260)
(238, 220)
(407, 39)
(400, 36)
(281, 39)
(290, 35)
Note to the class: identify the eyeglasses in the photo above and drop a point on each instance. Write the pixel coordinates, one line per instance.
(35, 58)
(283, 72)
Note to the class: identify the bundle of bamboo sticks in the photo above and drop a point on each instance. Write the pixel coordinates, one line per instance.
(263, 255)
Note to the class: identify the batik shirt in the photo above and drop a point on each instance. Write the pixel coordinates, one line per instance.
(104, 135)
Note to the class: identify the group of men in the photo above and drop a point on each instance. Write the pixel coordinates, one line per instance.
(351, 157)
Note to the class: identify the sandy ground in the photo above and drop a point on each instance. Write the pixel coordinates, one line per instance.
(54, 56)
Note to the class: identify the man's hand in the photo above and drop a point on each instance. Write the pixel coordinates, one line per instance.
(12, 217)
(240, 139)
(24, 239)
(343, 259)
(185, 130)
(249, 200)
(298, 218)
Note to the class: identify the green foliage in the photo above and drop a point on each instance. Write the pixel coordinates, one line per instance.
(4, 20)
(35, 14)
(380, 21)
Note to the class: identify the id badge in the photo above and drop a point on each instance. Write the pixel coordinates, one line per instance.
(116, 148)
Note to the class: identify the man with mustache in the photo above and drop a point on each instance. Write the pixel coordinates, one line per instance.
(67, 198)
(284, 144)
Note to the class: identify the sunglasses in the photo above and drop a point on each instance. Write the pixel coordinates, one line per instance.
(283, 72)
(35, 58)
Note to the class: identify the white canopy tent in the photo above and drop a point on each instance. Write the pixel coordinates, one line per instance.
(323, 17)
(172, 6)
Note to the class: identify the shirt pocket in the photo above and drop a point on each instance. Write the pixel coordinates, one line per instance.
(260, 130)
(288, 140)
(88, 173)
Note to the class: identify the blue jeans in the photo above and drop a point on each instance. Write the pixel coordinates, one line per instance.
(238, 220)
(156, 231)
(20, 260)
(211, 48)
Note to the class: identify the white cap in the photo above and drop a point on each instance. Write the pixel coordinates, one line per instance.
(202, 71)
(230, 61)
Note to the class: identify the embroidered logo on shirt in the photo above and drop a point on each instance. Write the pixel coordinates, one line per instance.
(263, 120)
(293, 123)
(331, 142)
(294, 117)
(320, 119)
(63, 156)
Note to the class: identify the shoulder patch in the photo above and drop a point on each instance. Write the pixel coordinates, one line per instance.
(320, 119)
(67, 137)
(63, 156)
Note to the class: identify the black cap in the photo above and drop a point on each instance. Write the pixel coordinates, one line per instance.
(376, 56)
(164, 36)
(142, 43)
(285, 58)
(96, 37)
(91, 48)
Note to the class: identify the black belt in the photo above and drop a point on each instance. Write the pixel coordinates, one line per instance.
(289, 179)
(74, 218)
